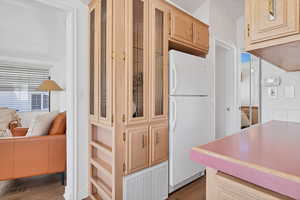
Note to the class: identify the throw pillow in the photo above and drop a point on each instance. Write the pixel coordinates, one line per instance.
(5, 133)
(40, 124)
(58, 126)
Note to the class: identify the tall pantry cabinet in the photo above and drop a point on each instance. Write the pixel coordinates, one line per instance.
(128, 91)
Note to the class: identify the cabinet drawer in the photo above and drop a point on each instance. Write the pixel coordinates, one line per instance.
(271, 19)
(181, 27)
(159, 143)
(231, 188)
(137, 149)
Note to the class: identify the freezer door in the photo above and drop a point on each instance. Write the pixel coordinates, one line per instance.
(189, 127)
(188, 74)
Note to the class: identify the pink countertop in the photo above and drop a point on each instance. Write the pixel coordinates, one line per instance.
(267, 155)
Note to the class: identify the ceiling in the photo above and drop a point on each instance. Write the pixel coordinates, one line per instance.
(31, 30)
(188, 5)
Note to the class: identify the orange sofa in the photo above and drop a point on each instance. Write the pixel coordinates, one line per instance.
(22, 157)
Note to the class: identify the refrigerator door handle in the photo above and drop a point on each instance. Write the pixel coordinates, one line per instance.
(174, 84)
(174, 117)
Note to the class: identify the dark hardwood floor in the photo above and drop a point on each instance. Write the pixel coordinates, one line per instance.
(46, 187)
(193, 191)
(50, 188)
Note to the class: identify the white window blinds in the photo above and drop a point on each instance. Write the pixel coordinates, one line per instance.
(21, 78)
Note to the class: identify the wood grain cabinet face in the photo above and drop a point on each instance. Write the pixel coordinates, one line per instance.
(137, 63)
(200, 36)
(158, 61)
(159, 141)
(137, 149)
(270, 19)
(231, 188)
(181, 26)
(94, 61)
(100, 61)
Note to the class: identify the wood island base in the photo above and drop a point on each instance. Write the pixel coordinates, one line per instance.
(220, 186)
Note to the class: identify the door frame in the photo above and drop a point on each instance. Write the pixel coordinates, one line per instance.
(71, 189)
(236, 111)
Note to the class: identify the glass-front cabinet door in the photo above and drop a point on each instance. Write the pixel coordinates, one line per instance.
(137, 62)
(94, 61)
(158, 61)
(100, 61)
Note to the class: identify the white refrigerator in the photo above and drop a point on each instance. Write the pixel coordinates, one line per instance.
(189, 116)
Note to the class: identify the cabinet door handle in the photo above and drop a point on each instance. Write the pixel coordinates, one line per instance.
(143, 141)
(272, 13)
(156, 138)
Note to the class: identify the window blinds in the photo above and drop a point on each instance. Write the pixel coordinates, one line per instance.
(21, 78)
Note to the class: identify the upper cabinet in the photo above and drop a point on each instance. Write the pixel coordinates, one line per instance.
(158, 61)
(187, 33)
(273, 31)
(100, 62)
(94, 60)
(271, 19)
(181, 26)
(137, 62)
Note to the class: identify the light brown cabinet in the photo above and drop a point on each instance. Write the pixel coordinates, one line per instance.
(129, 87)
(100, 62)
(272, 31)
(181, 26)
(269, 19)
(158, 61)
(187, 33)
(159, 141)
(137, 149)
(146, 146)
(222, 186)
(200, 36)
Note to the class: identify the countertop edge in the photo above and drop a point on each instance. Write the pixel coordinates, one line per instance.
(250, 165)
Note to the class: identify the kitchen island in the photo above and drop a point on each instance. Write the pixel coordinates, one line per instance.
(262, 162)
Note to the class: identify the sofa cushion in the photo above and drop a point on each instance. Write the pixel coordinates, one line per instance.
(58, 126)
(40, 124)
(6, 116)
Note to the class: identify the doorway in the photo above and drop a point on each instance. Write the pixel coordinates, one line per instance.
(250, 90)
(225, 89)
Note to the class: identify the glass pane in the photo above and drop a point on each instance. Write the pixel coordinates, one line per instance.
(250, 90)
(255, 90)
(103, 66)
(245, 82)
(159, 64)
(92, 61)
(138, 59)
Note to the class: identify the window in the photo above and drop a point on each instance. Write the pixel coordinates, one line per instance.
(18, 88)
(36, 102)
(45, 101)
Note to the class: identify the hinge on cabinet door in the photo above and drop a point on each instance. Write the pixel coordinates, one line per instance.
(112, 119)
(123, 118)
(121, 56)
(248, 29)
(124, 167)
(124, 136)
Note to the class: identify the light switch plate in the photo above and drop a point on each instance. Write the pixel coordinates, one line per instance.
(290, 91)
(273, 92)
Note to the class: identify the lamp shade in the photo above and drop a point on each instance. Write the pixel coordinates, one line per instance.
(49, 85)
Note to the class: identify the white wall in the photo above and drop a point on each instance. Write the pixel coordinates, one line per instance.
(222, 17)
(282, 107)
(31, 48)
(34, 34)
(31, 30)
